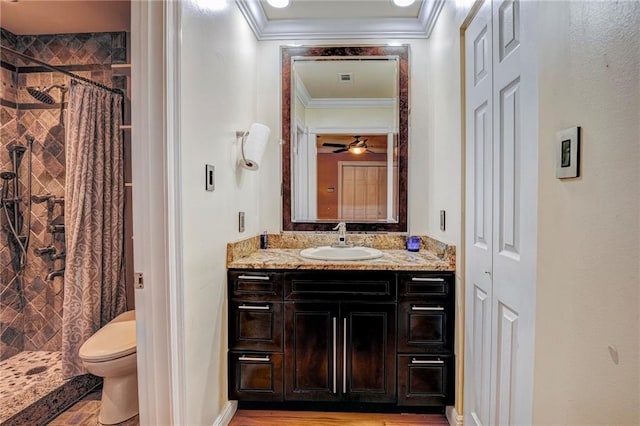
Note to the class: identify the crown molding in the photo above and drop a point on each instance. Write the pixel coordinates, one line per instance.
(316, 29)
(349, 103)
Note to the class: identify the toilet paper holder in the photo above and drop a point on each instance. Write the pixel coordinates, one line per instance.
(257, 136)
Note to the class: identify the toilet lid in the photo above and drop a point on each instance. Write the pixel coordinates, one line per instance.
(114, 340)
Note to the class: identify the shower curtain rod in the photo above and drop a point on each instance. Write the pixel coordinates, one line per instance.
(56, 69)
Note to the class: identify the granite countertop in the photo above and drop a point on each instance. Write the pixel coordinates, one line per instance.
(393, 260)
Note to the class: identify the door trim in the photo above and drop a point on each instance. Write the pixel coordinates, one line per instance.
(155, 42)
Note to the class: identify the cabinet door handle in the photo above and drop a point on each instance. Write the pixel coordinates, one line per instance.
(254, 358)
(344, 356)
(254, 277)
(421, 361)
(431, 280)
(427, 308)
(335, 355)
(254, 308)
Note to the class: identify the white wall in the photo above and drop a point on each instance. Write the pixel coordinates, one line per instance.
(587, 324)
(440, 174)
(218, 83)
(351, 117)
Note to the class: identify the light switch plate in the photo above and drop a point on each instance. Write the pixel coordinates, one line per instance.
(240, 221)
(210, 177)
(568, 153)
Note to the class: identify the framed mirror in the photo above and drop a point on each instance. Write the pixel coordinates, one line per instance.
(345, 114)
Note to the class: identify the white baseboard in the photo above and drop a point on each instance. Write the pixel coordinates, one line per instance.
(227, 414)
(453, 417)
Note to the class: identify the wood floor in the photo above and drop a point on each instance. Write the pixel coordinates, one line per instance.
(316, 418)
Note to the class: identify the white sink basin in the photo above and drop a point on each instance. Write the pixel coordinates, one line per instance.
(340, 253)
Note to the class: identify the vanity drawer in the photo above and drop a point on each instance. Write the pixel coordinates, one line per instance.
(255, 376)
(425, 327)
(255, 325)
(425, 285)
(340, 285)
(425, 380)
(255, 285)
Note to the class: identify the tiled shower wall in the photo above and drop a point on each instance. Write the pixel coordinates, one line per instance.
(31, 317)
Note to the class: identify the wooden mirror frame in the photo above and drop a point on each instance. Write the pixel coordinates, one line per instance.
(402, 54)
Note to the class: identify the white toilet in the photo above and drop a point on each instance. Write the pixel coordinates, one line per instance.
(111, 354)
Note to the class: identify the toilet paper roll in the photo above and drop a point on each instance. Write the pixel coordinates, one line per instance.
(255, 145)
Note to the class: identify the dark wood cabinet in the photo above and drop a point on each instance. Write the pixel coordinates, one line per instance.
(255, 325)
(425, 338)
(369, 352)
(340, 352)
(425, 380)
(348, 337)
(255, 336)
(311, 361)
(255, 376)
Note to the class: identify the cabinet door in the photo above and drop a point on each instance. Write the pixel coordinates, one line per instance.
(255, 285)
(255, 376)
(311, 347)
(425, 327)
(369, 351)
(425, 380)
(255, 326)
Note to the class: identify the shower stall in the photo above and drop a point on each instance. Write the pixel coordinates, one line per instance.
(33, 250)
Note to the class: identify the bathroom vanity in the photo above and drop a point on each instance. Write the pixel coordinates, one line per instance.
(347, 333)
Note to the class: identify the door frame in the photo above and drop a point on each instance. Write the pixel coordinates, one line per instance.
(155, 76)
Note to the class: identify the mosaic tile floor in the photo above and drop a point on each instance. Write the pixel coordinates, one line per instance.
(27, 377)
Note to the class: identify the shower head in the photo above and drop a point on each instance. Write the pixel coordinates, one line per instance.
(15, 147)
(7, 175)
(43, 95)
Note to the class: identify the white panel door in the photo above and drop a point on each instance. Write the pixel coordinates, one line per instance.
(479, 222)
(515, 176)
(501, 205)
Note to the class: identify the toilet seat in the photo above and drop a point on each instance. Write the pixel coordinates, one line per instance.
(114, 340)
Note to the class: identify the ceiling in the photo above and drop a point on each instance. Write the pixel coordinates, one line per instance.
(303, 19)
(332, 9)
(33, 17)
(369, 79)
(340, 19)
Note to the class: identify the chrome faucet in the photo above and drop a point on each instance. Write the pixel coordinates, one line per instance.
(52, 275)
(342, 234)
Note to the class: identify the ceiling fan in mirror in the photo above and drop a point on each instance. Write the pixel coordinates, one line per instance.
(356, 147)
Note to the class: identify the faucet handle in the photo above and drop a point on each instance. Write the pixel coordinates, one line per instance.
(341, 227)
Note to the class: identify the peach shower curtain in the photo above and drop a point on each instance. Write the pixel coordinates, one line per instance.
(94, 286)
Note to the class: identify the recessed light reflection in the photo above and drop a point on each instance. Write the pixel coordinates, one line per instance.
(403, 3)
(212, 5)
(278, 3)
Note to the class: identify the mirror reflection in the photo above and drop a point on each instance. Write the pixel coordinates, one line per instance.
(347, 134)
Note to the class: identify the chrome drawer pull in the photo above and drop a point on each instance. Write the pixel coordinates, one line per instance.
(254, 358)
(419, 361)
(344, 355)
(431, 280)
(254, 308)
(335, 355)
(427, 308)
(254, 277)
